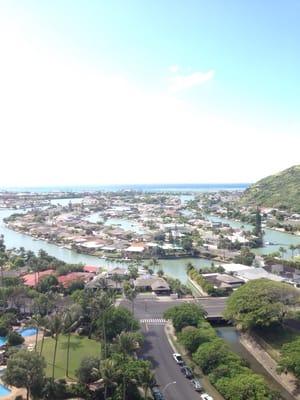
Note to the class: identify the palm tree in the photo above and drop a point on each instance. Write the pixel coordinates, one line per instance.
(106, 302)
(160, 273)
(117, 278)
(44, 323)
(109, 372)
(35, 322)
(128, 342)
(130, 294)
(70, 321)
(3, 260)
(189, 267)
(292, 248)
(56, 327)
(282, 251)
(99, 306)
(146, 380)
(154, 263)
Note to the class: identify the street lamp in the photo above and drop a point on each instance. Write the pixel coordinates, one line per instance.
(167, 385)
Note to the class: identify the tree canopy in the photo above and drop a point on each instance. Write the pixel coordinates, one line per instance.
(290, 357)
(260, 303)
(25, 369)
(184, 315)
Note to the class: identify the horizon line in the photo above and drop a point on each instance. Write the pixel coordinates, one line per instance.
(94, 185)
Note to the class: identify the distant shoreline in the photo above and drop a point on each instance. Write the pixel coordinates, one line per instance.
(167, 187)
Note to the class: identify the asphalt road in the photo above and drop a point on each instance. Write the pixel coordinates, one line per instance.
(157, 348)
(148, 307)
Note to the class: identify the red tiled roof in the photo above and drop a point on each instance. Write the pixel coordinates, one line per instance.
(33, 278)
(90, 268)
(66, 280)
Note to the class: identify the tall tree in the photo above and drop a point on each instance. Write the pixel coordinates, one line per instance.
(70, 320)
(56, 327)
(260, 303)
(292, 248)
(3, 257)
(109, 373)
(25, 369)
(282, 251)
(257, 227)
(102, 303)
(131, 294)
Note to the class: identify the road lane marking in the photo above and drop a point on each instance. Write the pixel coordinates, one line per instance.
(153, 321)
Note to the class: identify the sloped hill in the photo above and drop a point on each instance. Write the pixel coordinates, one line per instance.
(281, 190)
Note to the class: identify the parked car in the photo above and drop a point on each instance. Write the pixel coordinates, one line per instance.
(177, 357)
(206, 396)
(196, 385)
(187, 372)
(157, 394)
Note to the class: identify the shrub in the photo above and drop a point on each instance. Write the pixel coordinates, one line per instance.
(192, 337)
(3, 330)
(86, 371)
(14, 339)
(184, 315)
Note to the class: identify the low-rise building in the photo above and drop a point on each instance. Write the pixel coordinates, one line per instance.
(223, 281)
(152, 283)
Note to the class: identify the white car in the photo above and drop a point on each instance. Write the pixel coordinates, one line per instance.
(206, 396)
(177, 357)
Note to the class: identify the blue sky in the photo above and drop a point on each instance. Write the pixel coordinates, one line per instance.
(205, 87)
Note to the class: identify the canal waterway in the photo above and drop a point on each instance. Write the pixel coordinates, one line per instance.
(231, 337)
(174, 268)
(280, 239)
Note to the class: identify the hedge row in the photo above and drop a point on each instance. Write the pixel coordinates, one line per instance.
(226, 370)
(206, 286)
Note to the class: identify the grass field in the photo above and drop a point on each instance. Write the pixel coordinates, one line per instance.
(80, 347)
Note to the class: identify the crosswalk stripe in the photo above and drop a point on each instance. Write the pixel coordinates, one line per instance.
(153, 321)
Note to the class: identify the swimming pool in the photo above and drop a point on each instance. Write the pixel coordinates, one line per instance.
(27, 331)
(4, 391)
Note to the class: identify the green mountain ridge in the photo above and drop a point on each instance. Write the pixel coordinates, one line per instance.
(281, 190)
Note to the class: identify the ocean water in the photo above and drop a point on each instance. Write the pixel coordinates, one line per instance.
(180, 187)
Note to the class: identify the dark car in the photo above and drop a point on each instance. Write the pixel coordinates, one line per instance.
(196, 385)
(157, 394)
(187, 372)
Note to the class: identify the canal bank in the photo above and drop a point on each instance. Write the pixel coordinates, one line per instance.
(239, 344)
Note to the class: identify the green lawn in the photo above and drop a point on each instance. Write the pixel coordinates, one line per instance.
(80, 347)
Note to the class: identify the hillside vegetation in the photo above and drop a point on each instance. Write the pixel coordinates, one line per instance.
(281, 190)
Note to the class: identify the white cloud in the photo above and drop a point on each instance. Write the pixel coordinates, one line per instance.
(67, 122)
(173, 69)
(182, 82)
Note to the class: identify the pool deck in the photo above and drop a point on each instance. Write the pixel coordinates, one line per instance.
(14, 392)
(29, 340)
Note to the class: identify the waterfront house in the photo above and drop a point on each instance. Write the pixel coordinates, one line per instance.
(223, 281)
(152, 283)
